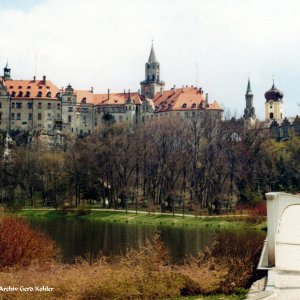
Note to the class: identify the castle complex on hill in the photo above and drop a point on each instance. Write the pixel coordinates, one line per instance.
(39, 105)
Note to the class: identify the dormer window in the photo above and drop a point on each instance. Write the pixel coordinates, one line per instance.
(40, 87)
(29, 87)
(169, 106)
(194, 105)
(83, 100)
(48, 95)
(27, 94)
(184, 105)
(58, 95)
(20, 94)
(13, 94)
(19, 86)
(39, 94)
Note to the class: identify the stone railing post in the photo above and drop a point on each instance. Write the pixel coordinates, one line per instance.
(272, 226)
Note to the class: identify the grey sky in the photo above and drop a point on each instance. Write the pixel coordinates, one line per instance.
(105, 44)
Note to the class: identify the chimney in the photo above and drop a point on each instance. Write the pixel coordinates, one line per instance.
(206, 99)
(174, 88)
(44, 79)
(161, 91)
(34, 78)
(139, 91)
(124, 93)
(108, 93)
(92, 89)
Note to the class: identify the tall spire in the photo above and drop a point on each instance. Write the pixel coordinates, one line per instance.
(248, 88)
(152, 57)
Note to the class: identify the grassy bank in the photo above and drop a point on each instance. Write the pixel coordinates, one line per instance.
(234, 222)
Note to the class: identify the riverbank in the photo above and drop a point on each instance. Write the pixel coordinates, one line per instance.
(156, 219)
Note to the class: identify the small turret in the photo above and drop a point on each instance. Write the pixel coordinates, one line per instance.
(7, 72)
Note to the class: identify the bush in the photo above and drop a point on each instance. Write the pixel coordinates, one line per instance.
(20, 245)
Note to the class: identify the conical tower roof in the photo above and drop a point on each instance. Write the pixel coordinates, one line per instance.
(152, 57)
(249, 92)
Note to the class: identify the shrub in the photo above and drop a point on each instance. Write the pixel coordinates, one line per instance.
(20, 245)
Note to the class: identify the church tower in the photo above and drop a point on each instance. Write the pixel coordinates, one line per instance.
(152, 83)
(274, 104)
(249, 112)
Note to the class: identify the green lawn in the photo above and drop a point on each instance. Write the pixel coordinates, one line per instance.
(234, 222)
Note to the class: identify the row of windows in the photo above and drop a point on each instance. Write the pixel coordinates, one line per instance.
(30, 105)
(18, 116)
(27, 94)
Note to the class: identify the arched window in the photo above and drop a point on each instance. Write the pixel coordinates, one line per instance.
(153, 77)
(20, 94)
(194, 105)
(13, 94)
(83, 100)
(27, 94)
(58, 95)
(271, 115)
(49, 95)
(184, 105)
(39, 94)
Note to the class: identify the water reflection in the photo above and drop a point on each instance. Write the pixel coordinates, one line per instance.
(78, 237)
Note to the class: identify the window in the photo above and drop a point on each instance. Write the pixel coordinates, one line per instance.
(39, 125)
(49, 105)
(13, 105)
(18, 116)
(271, 115)
(0, 115)
(20, 94)
(27, 94)
(13, 94)
(29, 105)
(70, 109)
(120, 118)
(49, 126)
(69, 98)
(19, 104)
(40, 105)
(194, 105)
(184, 105)
(12, 116)
(0, 104)
(39, 116)
(30, 116)
(39, 94)
(49, 95)
(58, 116)
(69, 119)
(58, 105)
(49, 116)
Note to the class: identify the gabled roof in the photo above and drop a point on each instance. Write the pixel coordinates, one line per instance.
(84, 94)
(116, 99)
(32, 88)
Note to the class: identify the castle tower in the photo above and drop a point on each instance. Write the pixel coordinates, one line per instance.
(152, 83)
(274, 104)
(6, 72)
(249, 112)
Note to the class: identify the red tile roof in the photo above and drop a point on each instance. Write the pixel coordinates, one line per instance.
(186, 98)
(116, 99)
(32, 89)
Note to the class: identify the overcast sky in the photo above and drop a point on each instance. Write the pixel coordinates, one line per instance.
(105, 44)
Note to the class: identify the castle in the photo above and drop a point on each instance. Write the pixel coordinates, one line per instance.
(35, 104)
(279, 126)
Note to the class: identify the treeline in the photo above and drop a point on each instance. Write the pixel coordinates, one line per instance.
(170, 163)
